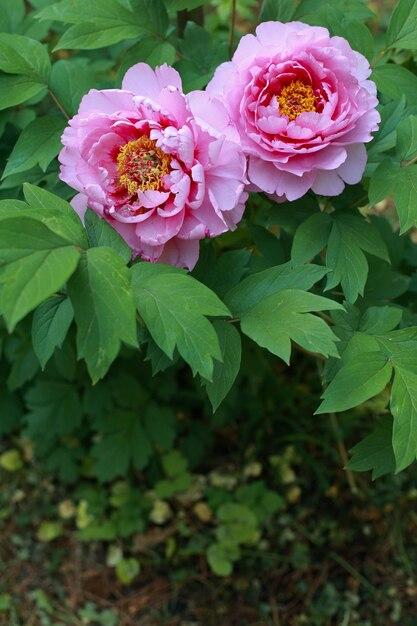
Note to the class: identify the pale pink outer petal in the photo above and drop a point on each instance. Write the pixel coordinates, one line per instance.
(351, 171)
(328, 184)
(142, 80)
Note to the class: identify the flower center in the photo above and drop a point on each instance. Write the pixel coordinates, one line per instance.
(142, 166)
(296, 98)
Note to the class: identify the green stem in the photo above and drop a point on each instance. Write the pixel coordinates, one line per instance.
(58, 104)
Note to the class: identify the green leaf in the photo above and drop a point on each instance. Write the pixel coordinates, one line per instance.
(404, 411)
(56, 213)
(375, 452)
(44, 133)
(394, 81)
(378, 320)
(174, 307)
(34, 263)
(159, 424)
(356, 9)
(50, 325)
(24, 56)
(311, 237)
(256, 287)
(225, 372)
(181, 5)
(54, 409)
(93, 35)
(277, 10)
(11, 15)
(389, 179)
(11, 412)
(125, 442)
(78, 11)
(285, 316)
(70, 80)
(200, 56)
(17, 89)
(104, 309)
(357, 381)
(100, 233)
(406, 147)
(150, 50)
(127, 570)
(402, 29)
(222, 273)
(349, 237)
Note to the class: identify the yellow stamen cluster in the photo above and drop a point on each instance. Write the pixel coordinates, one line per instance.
(142, 166)
(296, 98)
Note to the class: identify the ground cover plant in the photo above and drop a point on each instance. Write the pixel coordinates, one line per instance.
(208, 312)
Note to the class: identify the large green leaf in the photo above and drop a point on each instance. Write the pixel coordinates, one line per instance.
(358, 380)
(24, 56)
(125, 442)
(100, 233)
(70, 80)
(375, 452)
(395, 82)
(390, 179)
(174, 307)
(285, 316)
(104, 309)
(56, 213)
(50, 325)
(404, 411)
(225, 372)
(256, 287)
(350, 236)
(402, 29)
(44, 133)
(54, 409)
(17, 89)
(35, 262)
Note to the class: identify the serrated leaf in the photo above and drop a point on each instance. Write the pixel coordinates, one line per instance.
(100, 233)
(34, 263)
(44, 133)
(285, 316)
(50, 325)
(174, 307)
(54, 409)
(356, 381)
(125, 442)
(375, 452)
(226, 371)
(349, 237)
(311, 237)
(390, 179)
(256, 287)
(104, 309)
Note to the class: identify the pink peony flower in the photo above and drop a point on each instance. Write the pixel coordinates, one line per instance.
(164, 169)
(303, 106)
